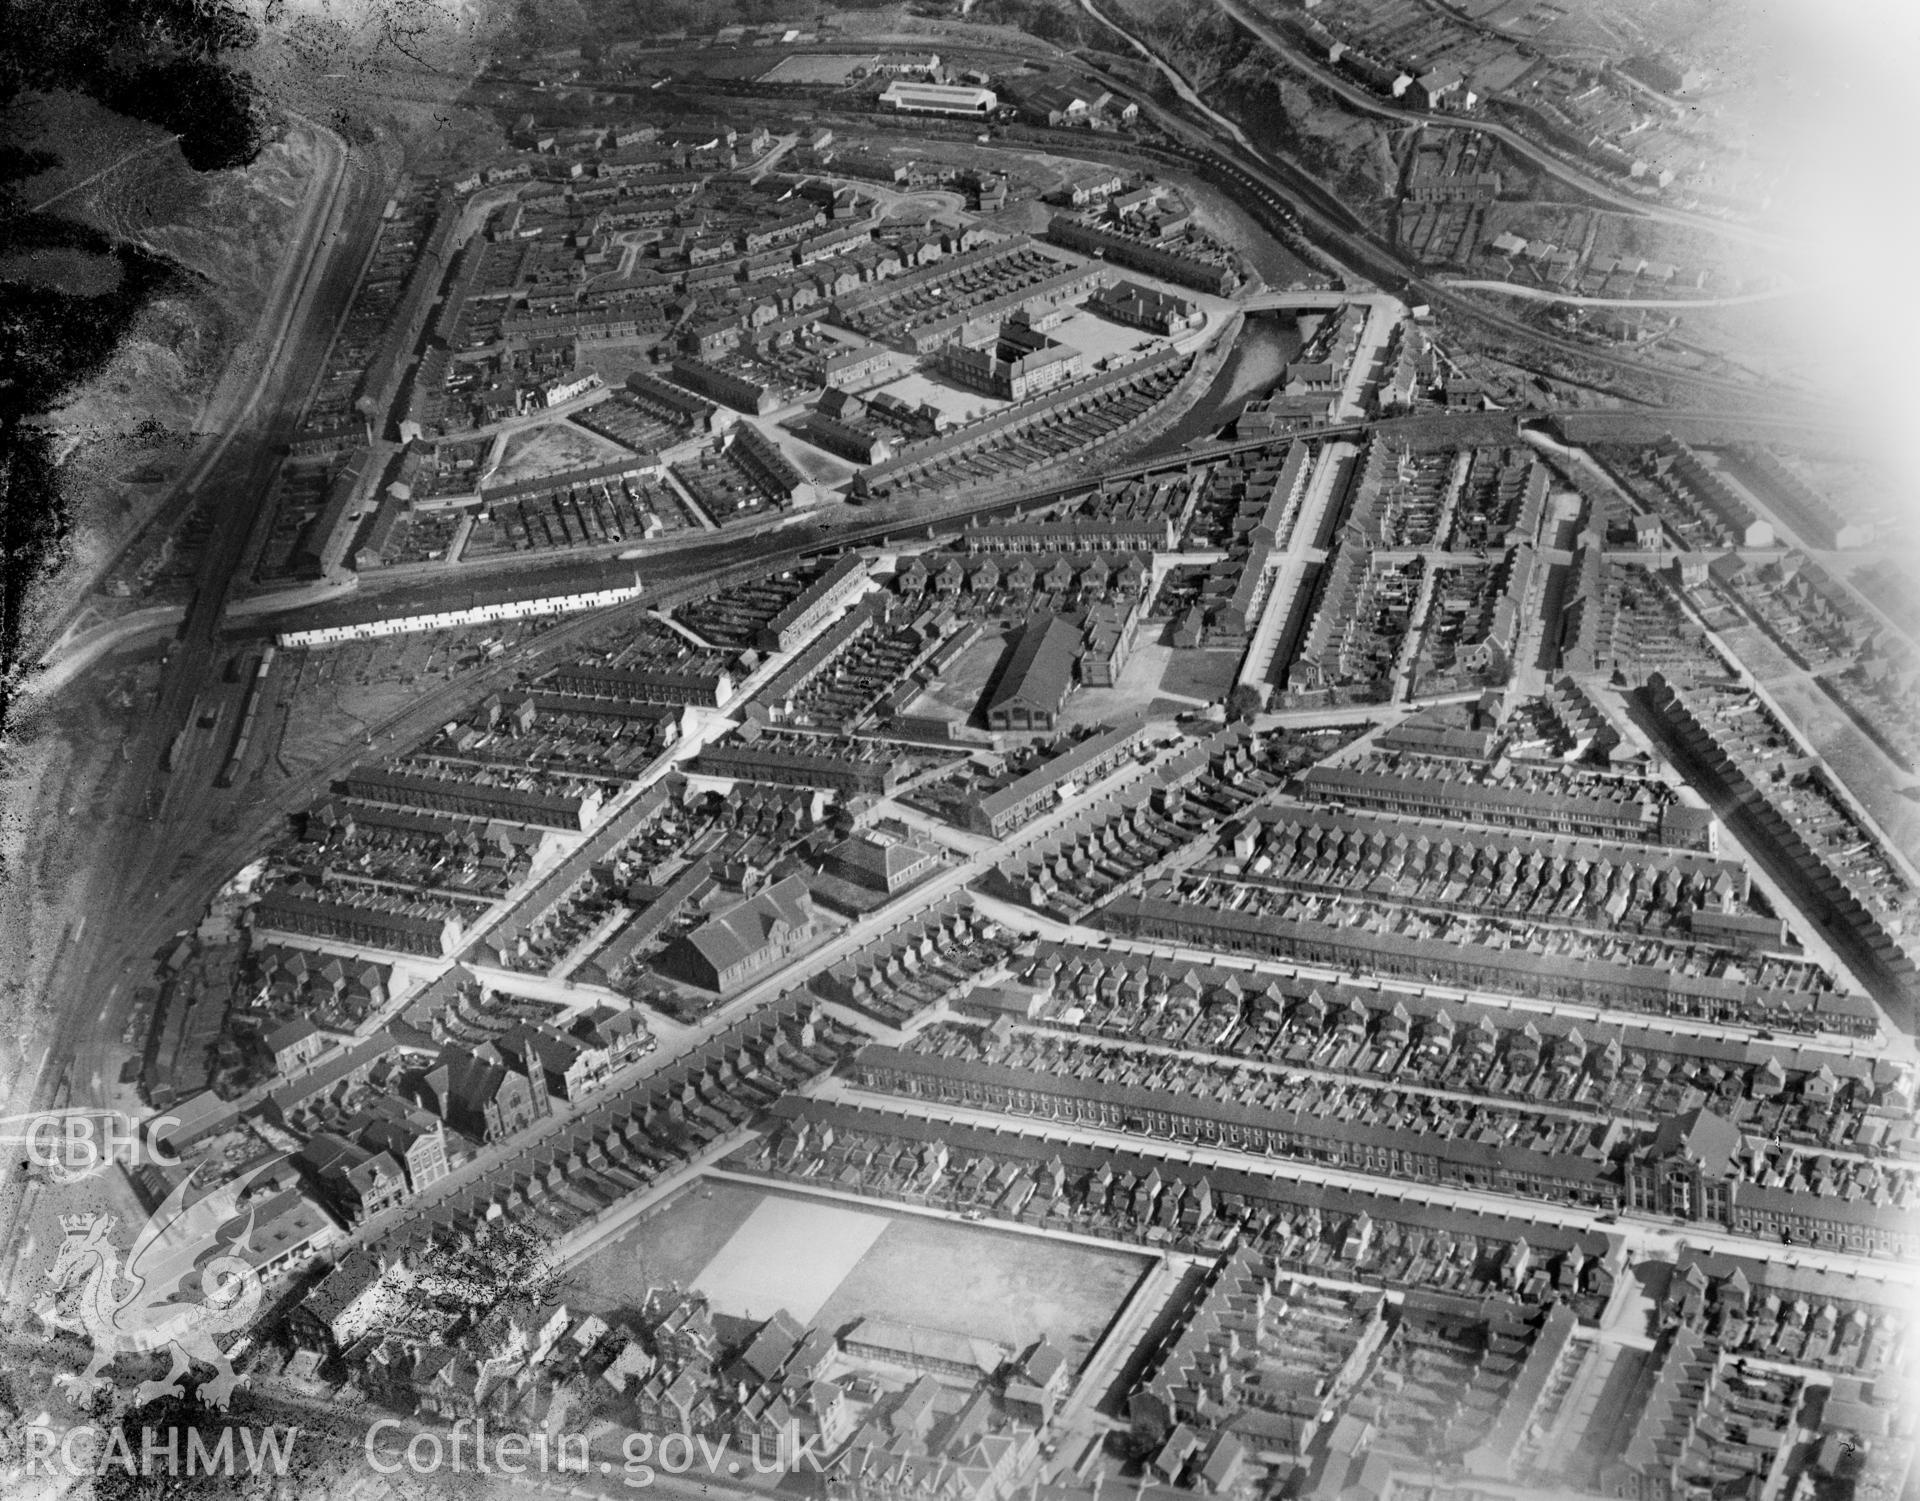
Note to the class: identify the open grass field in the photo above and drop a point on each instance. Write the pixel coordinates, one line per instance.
(670, 1244)
(829, 1263)
(991, 1283)
(791, 1254)
(816, 67)
(1204, 672)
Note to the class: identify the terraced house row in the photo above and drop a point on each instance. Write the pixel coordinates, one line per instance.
(644, 1130)
(1146, 1195)
(1789, 1093)
(1194, 911)
(1546, 879)
(1571, 1163)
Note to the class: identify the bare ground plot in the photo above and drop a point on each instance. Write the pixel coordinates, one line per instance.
(615, 359)
(1861, 766)
(789, 1253)
(1156, 681)
(1100, 338)
(1130, 698)
(958, 403)
(1020, 217)
(818, 466)
(552, 447)
(958, 692)
(317, 703)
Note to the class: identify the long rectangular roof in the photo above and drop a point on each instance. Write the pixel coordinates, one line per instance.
(1334, 781)
(742, 931)
(945, 95)
(836, 577)
(1041, 668)
(1482, 1156)
(1060, 769)
(1500, 964)
(376, 782)
(1547, 1236)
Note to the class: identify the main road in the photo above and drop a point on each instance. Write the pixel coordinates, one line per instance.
(137, 858)
(471, 1182)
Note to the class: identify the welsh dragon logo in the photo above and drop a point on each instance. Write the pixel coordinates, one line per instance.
(164, 1296)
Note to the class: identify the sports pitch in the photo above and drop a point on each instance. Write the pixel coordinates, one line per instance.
(830, 1262)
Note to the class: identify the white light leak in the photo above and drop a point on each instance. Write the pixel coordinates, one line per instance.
(1845, 128)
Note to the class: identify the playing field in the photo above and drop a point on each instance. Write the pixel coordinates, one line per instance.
(818, 67)
(788, 1254)
(1205, 673)
(828, 1263)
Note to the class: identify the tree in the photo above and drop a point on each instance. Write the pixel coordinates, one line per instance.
(1244, 701)
(504, 1259)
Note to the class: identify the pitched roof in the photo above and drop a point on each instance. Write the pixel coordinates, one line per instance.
(1041, 668)
(881, 855)
(354, 1274)
(773, 1346)
(740, 932)
(914, 1343)
(474, 1077)
(1044, 1362)
(292, 1034)
(1708, 1139)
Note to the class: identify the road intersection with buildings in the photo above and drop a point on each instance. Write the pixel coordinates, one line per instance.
(847, 787)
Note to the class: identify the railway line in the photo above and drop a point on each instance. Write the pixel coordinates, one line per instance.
(156, 841)
(1291, 205)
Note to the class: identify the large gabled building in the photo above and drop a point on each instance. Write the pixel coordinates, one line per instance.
(483, 1094)
(1145, 307)
(940, 99)
(745, 938)
(1687, 1168)
(881, 861)
(1033, 688)
(1016, 363)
